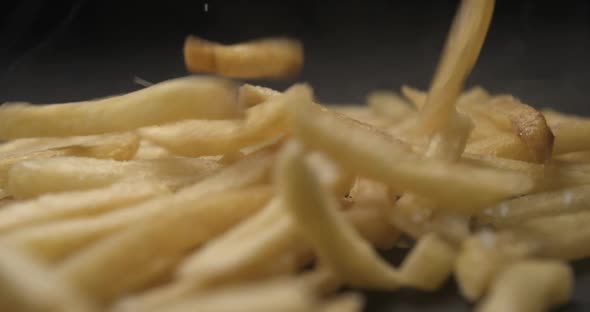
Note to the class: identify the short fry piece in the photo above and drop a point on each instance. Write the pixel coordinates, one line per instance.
(169, 101)
(533, 285)
(263, 58)
(29, 287)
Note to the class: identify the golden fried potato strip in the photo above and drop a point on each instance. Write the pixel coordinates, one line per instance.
(169, 101)
(262, 58)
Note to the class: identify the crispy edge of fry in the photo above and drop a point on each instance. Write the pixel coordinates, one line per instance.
(529, 124)
(28, 286)
(531, 285)
(270, 57)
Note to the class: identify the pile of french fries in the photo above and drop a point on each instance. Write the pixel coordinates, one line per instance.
(200, 194)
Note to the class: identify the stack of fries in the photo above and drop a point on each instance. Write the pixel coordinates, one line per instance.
(198, 194)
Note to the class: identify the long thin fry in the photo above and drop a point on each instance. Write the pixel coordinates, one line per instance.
(533, 206)
(77, 204)
(251, 95)
(460, 53)
(169, 101)
(270, 58)
(40, 176)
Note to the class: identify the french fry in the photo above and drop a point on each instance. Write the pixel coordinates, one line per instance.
(389, 105)
(27, 286)
(40, 176)
(363, 149)
(525, 208)
(77, 204)
(285, 294)
(263, 58)
(570, 132)
(251, 95)
(460, 53)
(334, 177)
(137, 256)
(327, 231)
(529, 124)
(361, 114)
(349, 302)
(533, 285)
(54, 241)
(149, 150)
(169, 101)
(199, 137)
(563, 236)
(429, 264)
(115, 146)
(490, 253)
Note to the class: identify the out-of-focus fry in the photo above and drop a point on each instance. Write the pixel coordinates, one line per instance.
(53, 241)
(449, 142)
(40, 176)
(361, 114)
(285, 294)
(503, 145)
(77, 204)
(389, 105)
(563, 236)
(204, 137)
(169, 101)
(327, 231)
(29, 287)
(575, 157)
(149, 150)
(350, 302)
(127, 258)
(262, 58)
(533, 285)
(460, 53)
(251, 95)
(429, 264)
(533, 206)
(377, 155)
(334, 177)
(490, 253)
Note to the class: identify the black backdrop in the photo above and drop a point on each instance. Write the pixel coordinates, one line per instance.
(66, 50)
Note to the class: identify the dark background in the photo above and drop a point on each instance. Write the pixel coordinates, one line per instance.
(68, 50)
